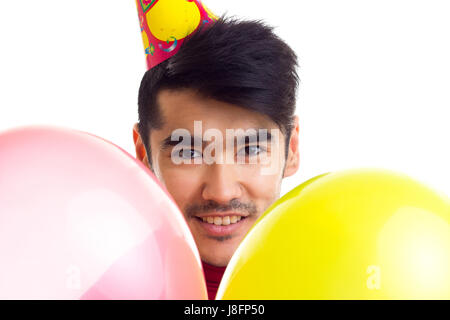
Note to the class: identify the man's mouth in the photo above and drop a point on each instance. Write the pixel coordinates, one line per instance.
(221, 220)
(220, 224)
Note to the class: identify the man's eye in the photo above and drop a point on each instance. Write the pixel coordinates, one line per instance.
(250, 151)
(189, 154)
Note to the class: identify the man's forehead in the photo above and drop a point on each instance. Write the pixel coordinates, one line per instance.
(181, 108)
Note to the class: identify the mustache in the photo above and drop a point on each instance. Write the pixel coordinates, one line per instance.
(211, 206)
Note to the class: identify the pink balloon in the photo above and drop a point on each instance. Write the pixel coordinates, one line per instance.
(81, 218)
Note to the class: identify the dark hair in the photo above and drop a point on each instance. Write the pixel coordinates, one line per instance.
(239, 62)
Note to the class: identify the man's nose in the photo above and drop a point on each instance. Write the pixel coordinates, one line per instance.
(221, 183)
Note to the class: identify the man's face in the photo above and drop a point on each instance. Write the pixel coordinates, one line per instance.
(220, 200)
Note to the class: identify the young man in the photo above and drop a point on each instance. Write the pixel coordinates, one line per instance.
(234, 75)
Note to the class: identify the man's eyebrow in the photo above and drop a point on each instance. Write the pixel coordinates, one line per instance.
(168, 142)
(257, 135)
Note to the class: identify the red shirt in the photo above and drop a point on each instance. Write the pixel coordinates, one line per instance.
(213, 276)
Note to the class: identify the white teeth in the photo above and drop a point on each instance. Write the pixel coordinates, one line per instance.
(226, 220)
(222, 221)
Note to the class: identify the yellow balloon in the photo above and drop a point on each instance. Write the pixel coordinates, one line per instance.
(355, 234)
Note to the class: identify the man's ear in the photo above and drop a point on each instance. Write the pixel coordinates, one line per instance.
(141, 153)
(293, 159)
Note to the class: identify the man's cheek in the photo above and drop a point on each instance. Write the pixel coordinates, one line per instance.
(179, 185)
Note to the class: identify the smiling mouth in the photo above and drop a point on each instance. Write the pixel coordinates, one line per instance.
(221, 220)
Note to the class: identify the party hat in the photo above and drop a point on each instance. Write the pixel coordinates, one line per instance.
(166, 23)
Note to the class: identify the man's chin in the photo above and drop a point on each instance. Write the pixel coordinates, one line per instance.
(217, 244)
(217, 252)
(221, 238)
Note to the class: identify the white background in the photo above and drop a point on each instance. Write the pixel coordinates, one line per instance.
(375, 75)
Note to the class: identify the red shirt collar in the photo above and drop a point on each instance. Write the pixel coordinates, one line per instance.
(213, 276)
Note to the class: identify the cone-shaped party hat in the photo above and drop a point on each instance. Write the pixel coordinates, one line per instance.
(166, 23)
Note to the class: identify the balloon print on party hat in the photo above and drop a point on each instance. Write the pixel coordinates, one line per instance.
(166, 23)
